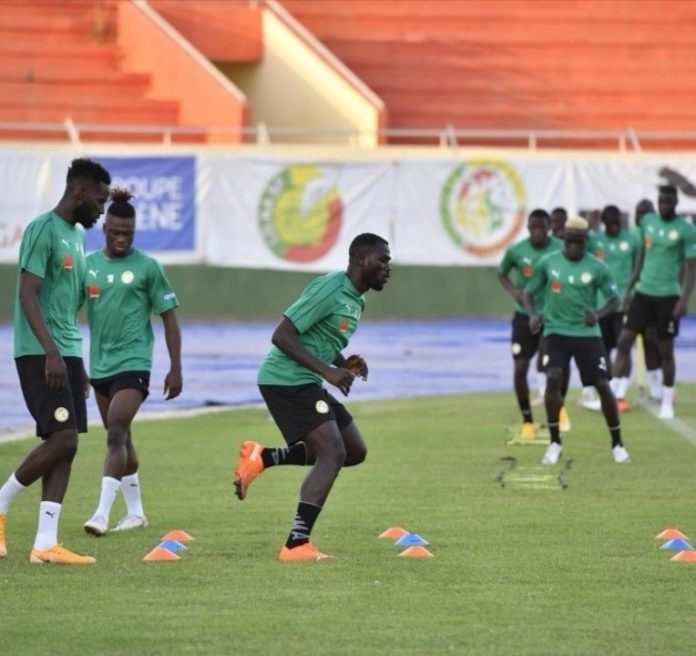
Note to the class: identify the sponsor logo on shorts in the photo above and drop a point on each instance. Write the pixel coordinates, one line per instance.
(516, 349)
(322, 407)
(61, 414)
(127, 277)
(545, 360)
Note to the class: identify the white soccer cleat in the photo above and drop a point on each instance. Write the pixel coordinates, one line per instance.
(130, 521)
(620, 455)
(96, 526)
(591, 404)
(666, 411)
(553, 453)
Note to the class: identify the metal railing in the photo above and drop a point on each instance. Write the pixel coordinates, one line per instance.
(262, 134)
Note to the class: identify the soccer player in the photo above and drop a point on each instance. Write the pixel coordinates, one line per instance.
(48, 351)
(572, 279)
(307, 348)
(123, 288)
(618, 249)
(669, 244)
(522, 258)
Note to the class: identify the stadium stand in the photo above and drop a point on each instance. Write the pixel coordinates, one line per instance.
(519, 65)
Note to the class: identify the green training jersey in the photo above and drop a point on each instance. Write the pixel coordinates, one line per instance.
(571, 288)
(619, 253)
(121, 295)
(522, 257)
(326, 315)
(53, 250)
(667, 244)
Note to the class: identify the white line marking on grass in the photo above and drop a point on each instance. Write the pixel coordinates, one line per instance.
(676, 424)
(26, 432)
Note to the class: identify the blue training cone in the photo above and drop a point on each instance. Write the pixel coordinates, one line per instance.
(172, 545)
(411, 540)
(677, 545)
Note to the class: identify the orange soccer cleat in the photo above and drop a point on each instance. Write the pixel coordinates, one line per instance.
(249, 466)
(305, 552)
(58, 554)
(3, 548)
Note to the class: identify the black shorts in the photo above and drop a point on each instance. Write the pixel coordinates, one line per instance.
(139, 380)
(53, 410)
(297, 410)
(611, 329)
(588, 353)
(653, 311)
(523, 343)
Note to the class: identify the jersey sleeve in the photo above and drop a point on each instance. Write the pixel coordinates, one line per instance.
(606, 282)
(162, 296)
(36, 249)
(538, 280)
(507, 264)
(689, 237)
(314, 304)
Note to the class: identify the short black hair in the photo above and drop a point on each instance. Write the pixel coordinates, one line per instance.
(668, 189)
(366, 240)
(611, 212)
(560, 210)
(87, 168)
(120, 206)
(539, 214)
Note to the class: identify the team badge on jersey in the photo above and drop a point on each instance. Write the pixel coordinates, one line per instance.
(586, 278)
(673, 235)
(623, 246)
(127, 277)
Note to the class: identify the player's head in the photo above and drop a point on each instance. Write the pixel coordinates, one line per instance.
(594, 218)
(369, 262)
(87, 185)
(667, 200)
(119, 225)
(611, 218)
(557, 222)
(642, 208)
(575, 238)
(538, 226)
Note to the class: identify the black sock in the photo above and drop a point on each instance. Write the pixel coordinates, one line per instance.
(526, 410)
(615, 436)
(555, 433)
(295, 454)
(307, 514)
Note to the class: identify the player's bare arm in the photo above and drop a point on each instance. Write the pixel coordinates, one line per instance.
(285, 337)
(29, 286)
(173, 381)
(682, 304)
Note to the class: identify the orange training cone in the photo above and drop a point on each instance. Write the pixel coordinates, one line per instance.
(179, 536)
(395, 532)
(416, 552)
(671, 534)
(685, 557)
(160, 554)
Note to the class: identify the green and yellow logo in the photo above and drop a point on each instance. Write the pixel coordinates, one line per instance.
(300, 213)
(482, 206)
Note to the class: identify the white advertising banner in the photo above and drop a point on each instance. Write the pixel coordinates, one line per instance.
(285, 214)
(278, 212)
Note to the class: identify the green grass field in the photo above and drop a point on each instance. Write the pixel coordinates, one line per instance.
(525, 568)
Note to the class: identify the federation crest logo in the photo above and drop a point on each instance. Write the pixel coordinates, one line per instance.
(482, 206)
(61, 414)
(127, 277)
(322, 407)
(301, 212)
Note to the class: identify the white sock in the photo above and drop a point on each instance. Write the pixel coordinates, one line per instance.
(130, 486)
(47, 533)
(621, 387)
(654, 377)
(8, 492)
(588, 393)
(109, 490)
(667, 395)
(541, 383)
